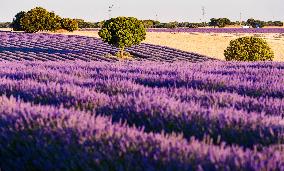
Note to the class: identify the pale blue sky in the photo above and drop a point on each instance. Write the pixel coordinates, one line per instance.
(166, 10)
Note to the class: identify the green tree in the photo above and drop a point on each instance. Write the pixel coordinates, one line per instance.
(183, 24)
(39, 19)
(156, 23)
(223, 22)
(101, 24)
(172, 24)
(278, 23)
(123, 32)
(255, 23)
(213, 22)
(248, 49)
(16, 23)
(53, 22)
(148, 23)
(69, 24)
(81, 23)
(219, 22)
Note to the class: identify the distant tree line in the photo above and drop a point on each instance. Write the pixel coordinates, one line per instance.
(214, 22)
(5, 24)
(222, 22)
(175, 24)
(49, 21)
(85, 24)
(258, 23)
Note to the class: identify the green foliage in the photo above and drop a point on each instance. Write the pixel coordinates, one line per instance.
(5, 24)
(150, 23)
(223, 22)
(39, 19)
(192, 25)
(172, 24)
(248, 49)
(69, 24)
(100, 24)
(123, 32)
(79, 21)
(53, 22)
(255, 23)
(84, 24)
(16, 24)
(161, 25)
(219, 22)
(274, 23)
(183, 24)
(213, 22)
(277, 23)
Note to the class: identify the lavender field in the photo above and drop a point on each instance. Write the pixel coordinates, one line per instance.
(46, 47)
(141, 115)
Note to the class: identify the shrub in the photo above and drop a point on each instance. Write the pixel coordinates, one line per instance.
(255, 23)
(274, 23)
(192, 25)
(5, 24)
(161, 25)
(172, 24)
(148, 23)
(123, 32)
(183, 24)
(69, 24)
(100, 24)
(16, 23)
(248, 49)
(278, 23)
(39, 19)
(84, 24)
(220, 22)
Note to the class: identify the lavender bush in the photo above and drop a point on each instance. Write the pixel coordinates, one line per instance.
(47, 138)
(141, 115)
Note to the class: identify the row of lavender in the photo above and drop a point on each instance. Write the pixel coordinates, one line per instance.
(47, 138)
(240, 104)
(45, 47)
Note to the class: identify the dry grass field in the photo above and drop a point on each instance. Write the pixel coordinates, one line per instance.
(210, 44)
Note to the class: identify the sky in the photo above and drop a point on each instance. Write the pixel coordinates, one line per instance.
(162, 10)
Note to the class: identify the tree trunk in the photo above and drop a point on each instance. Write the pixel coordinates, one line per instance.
(122, 52)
